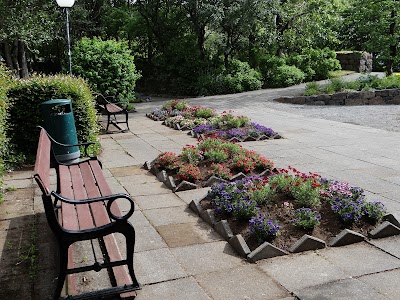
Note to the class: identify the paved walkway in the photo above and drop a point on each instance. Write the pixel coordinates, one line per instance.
(180, 257)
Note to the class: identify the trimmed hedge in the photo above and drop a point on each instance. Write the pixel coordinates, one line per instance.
(5, 82)
(24, 115)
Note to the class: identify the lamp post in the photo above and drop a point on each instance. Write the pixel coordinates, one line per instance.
(67, 4)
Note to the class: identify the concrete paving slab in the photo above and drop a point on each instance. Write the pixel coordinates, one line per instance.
(179, 289)
(349, 289)
(158, 201)
(170, 215)
(390, 245)
(20, 174)
(127, 171)
(205, 258)
(385, 283)
(156, 266)
(145, 177)
(245, 282)
(196, 195)
(299, 271)
(179, 235)
(18, 183)
(138, 219)
(150, 188)
(372, 260)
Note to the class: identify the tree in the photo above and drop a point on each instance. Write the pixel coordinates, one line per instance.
(373, 26)
(25, 24)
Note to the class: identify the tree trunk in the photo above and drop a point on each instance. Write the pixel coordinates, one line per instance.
(393, 47)
(7, 55)
(14, 57)
(200, 41)
(23, 65)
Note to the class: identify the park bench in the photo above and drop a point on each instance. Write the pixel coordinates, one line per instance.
(83, 208)
(112, 110)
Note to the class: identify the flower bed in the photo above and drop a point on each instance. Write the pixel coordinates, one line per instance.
(204, 122)
(285, 205)
(210, 159)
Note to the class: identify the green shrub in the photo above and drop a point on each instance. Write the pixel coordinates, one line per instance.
(312, 88)
(108, 66)
(24, 115)
(315, 63)
(239, 77)
(267, 67)
(287, 75)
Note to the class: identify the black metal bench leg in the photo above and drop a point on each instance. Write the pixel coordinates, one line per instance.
(126, 119)
(63, 271)
(108, 121)
(130, 245)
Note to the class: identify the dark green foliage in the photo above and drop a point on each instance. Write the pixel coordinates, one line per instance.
(315, 63)
(276, 73)
(24, 115)
(108, 66)
(239, 77)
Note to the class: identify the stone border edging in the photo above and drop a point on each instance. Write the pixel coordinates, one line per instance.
(379, 97)
(305, 243)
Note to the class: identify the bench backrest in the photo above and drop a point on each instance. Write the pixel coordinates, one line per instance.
(42, 177)
(42, 164)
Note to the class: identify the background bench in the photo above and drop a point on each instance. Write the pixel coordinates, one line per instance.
(84, 208)
(112, 110)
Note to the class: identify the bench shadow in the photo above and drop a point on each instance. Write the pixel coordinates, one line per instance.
(27, 258)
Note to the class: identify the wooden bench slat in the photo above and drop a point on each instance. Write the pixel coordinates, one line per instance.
(120, 273)
(84, 215)
(69, 221)
(103, 186)
(99, 211)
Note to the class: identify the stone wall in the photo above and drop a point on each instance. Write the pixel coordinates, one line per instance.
(381, 97)
(355, 61)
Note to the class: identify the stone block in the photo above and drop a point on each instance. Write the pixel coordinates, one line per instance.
(346, 237)
(382, 93)
(384, 230)
(162, 176)
(367, 94)
(283, 100)
(353, 95)
(208, 217)
(265, 250)
(196, 207)
(376, 101)
(393, 92)
(170, 182)
(214, 179)
(394, 101)
(250, 139)
(355, 101)
(185, 185)
(393, 218)
(238, 176)
(309, 100)
(339, 96)
(306, 243)
(235, 140)
(224, 230)
(298, 100)
(319, 102)
(239, 244)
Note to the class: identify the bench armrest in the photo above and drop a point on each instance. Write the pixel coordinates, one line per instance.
(110, 200)
(85, 144)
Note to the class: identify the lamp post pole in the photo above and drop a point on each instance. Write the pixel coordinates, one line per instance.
(67, 4)
(68, 42)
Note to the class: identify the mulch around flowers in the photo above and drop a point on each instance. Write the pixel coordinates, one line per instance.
(280, 209)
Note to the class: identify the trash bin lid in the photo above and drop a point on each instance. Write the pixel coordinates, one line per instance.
(56, 101)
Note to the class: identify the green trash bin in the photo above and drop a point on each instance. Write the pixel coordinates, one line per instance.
(60, 124)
